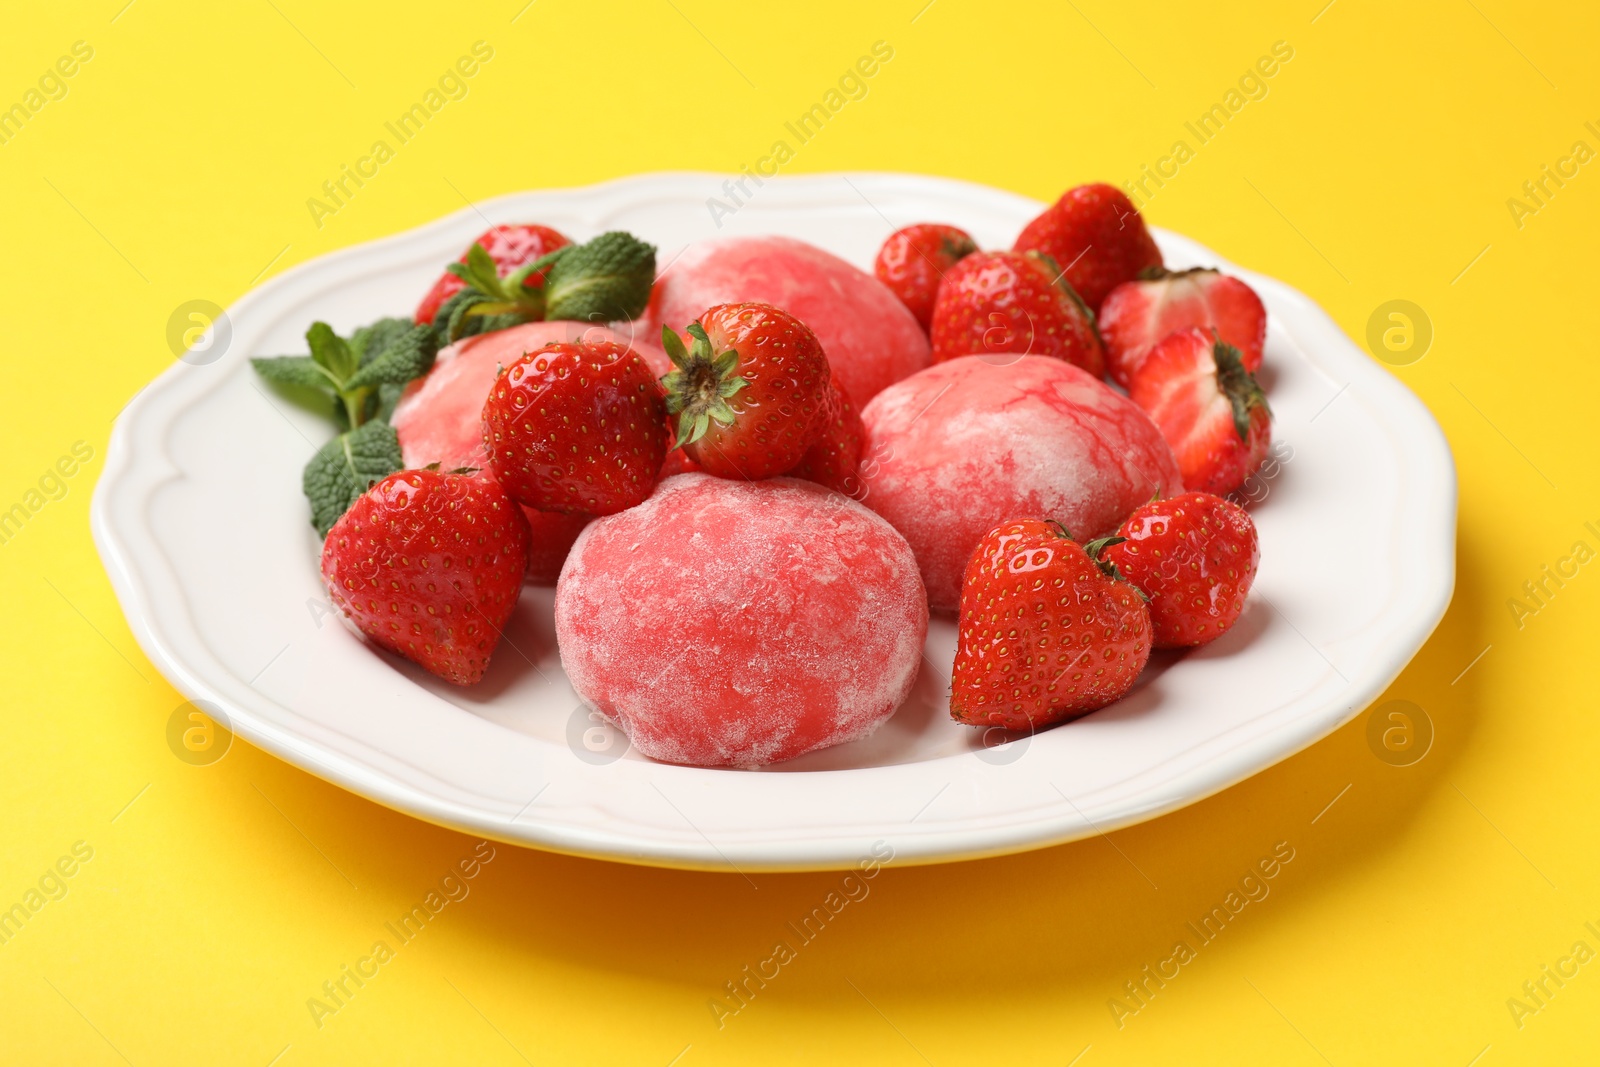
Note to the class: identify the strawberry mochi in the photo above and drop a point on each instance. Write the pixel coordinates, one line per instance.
(871, 340)
(969, 444)
(440, 417)
(731, 623)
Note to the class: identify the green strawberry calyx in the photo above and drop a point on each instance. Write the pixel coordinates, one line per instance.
(1244, 393)
(1059, 279)
(1095, 548)
(1159, 273)
(700, 383)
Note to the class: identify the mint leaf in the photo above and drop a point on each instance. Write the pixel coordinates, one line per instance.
(407, 356)
(605, 279)
(464, 315)
(388, 396)
(371, 341)
(332, 352)
(345, 468)
(301, 371)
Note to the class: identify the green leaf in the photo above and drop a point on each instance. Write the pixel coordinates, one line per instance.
(332, 352)
(408, 355)
(345, 468)
(388, 396)
(301, 371)
(372, 341)
(606, 279)
(672, 344)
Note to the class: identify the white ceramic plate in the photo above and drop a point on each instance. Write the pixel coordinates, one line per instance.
(202, 527)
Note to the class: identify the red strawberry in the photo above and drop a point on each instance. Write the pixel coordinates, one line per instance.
(1048, 629)
(1138, 314)
(751, 393)
(1194, 555)
(914, 260)
(510, 247)
(1004, 302)
(578, 427)
(1208, 407)
(429, 566)
(1095, 233)
(836, 457)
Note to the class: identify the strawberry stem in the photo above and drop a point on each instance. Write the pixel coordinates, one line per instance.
(700, 383)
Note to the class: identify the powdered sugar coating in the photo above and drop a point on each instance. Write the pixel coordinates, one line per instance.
(729, 623)
(871, 340)
(966, 445)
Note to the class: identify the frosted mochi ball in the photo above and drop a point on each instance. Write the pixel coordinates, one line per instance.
(725, 623)
(870, 338)
(966, 445)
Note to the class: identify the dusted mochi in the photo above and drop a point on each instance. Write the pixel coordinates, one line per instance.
(871, 340)
(729, 623)
(440, 417)
(964, 446)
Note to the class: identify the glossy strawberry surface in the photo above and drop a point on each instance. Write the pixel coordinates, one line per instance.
(429, 565)
(576, 427)
(1046, 634)
(1195, 556)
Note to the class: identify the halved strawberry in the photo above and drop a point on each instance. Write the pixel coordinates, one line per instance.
(1210, 409)
(750, 393)
(1097, 236)
(994, 303)
(1138, 314)
(510, 247)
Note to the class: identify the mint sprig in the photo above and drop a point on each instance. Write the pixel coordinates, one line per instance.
(346, 467)
(604, 280)
(360, 379)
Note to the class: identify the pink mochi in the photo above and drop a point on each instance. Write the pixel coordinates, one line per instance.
(966, 445)
(733, 624)
(440, 417)
(871, 340)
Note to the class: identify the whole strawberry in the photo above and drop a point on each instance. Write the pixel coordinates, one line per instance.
(1048, 629)
(1139, 314)
(835, 460)
(578, 427)
(751, 392)
(429, 566)
(509, 246)
(1195, 557)
(1209, 408)
(1013, 302)
(1097, 236)
(914, 260)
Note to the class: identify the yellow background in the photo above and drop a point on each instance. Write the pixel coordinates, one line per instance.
(177, 167)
